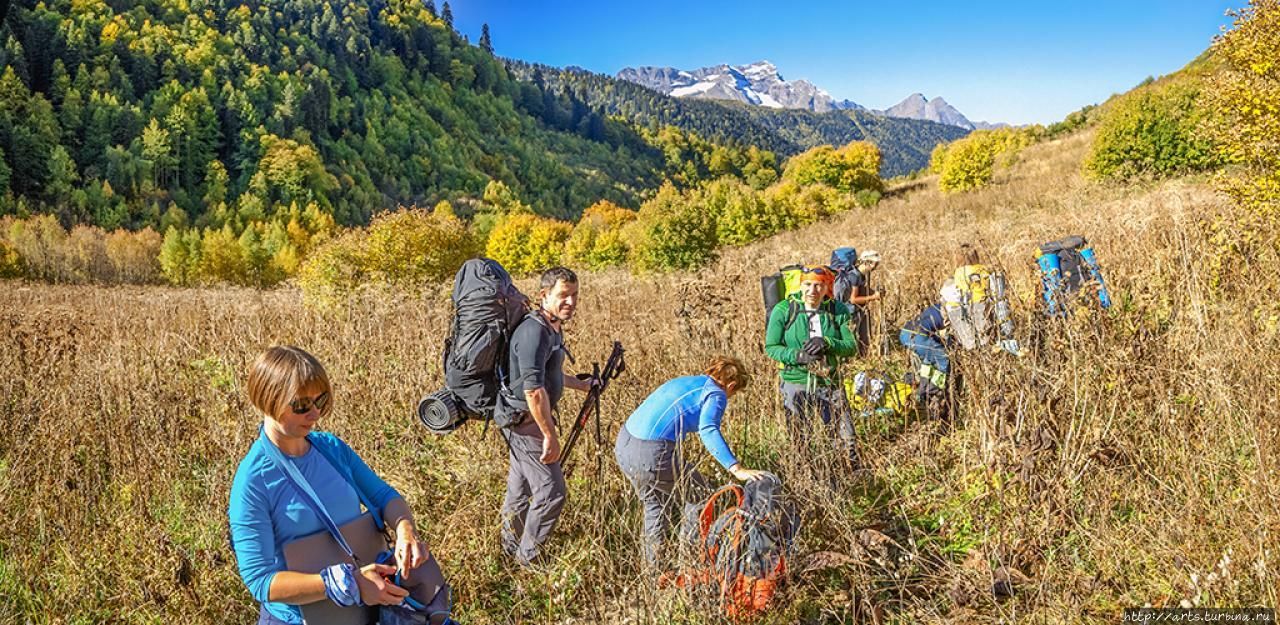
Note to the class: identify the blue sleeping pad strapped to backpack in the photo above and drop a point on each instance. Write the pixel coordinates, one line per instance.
(1065, 266)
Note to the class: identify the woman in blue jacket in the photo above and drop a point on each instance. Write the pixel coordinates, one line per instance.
(648, 444)
(291, 389)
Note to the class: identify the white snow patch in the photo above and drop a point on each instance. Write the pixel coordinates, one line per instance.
(767, 100)
(693, 89)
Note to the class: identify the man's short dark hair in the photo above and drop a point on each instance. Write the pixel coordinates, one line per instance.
(557, 274)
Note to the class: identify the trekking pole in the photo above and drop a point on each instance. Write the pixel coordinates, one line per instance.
(612, 368)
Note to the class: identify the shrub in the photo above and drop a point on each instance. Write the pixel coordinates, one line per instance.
(597, 240)
(179, 255)
(85, 255)
(1073, 122)
(408, 247)
(40, 242)
(525, 243)
(969, 163)
(335, 269)
(10, 261)
(221, 258)
(867, 198)
(742, 215)
(800, 205)
(1151, 132)
(853, 167)
(1247, 93)
(134, 256)
(670, 232)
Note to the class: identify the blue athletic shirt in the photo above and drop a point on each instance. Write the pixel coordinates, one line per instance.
(681, 406)
(267, 512)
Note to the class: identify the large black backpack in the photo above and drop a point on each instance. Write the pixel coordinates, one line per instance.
(844, 262)
(487, 306)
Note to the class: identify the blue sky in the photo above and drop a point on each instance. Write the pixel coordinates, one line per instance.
(1017, 62)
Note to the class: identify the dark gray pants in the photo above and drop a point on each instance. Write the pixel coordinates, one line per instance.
(803, 402)
(662, 483)
(535, 495)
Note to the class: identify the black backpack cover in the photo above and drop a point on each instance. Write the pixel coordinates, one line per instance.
(487, 306)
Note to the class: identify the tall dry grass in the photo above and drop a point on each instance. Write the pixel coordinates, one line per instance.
(1127, 459)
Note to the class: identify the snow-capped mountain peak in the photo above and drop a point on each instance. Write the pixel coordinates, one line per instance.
(761, 84)
(757, 83)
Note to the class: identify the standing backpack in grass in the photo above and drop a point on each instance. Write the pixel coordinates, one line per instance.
(743, 548)
(1067, 265)
(487, 306)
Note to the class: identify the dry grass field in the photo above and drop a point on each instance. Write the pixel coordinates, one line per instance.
(1129, 458)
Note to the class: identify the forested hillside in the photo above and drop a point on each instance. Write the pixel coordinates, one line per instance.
(202, 112)
(904, 143)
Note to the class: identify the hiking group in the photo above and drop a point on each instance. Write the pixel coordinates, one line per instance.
(308, 552)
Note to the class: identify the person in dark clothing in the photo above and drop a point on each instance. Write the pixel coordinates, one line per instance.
(535, 483)
(861, 296)
(927, 337)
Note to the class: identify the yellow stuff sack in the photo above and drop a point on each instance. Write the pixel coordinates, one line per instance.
(872, 394)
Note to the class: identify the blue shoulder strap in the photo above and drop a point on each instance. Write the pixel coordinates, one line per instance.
(377, 515)
(308, 494)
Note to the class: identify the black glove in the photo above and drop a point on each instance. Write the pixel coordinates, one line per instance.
(804, 358)
(816, 346)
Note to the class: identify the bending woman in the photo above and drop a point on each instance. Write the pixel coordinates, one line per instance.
(648, 443)
(291, 389)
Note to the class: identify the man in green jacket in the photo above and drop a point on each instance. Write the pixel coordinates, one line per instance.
(808, 335)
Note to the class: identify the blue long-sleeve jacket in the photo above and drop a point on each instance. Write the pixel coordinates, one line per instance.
(930, 323)
(681, 406)
(266, 511)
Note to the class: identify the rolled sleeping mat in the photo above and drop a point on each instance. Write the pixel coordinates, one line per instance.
(439, 412)
(1004, 316)
(1095, 271)
(1051, 277)
(771, 292)
(1065, 243)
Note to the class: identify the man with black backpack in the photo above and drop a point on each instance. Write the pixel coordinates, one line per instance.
(526, 410)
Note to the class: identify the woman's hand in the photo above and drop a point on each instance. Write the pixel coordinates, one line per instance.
(410, 552)
(375, 589)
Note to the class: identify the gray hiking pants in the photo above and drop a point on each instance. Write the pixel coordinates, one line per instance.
(535, 495)
(802, 403)
(662, 483)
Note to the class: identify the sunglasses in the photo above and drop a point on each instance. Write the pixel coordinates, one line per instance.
(304, 405)
(819, 271)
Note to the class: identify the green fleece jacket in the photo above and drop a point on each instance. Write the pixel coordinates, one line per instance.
(783, 345)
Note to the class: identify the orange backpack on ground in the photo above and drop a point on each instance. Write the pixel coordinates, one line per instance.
(743, 550)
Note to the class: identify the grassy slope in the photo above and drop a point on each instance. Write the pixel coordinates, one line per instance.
(1111, 472)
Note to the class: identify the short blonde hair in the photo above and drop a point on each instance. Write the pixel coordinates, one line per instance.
(729, 372)
(279, 373)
